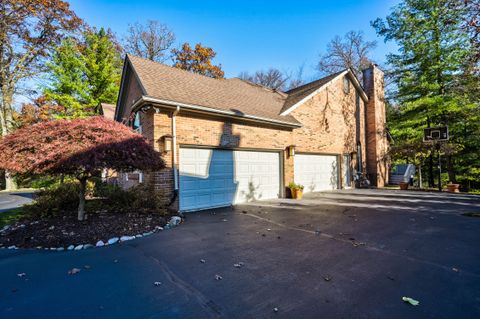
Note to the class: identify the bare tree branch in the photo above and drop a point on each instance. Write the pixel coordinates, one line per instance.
(349, 51)
(151, 41)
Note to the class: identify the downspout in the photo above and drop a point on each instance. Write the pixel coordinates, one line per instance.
(174, 142)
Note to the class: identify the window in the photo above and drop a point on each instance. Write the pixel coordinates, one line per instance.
(346, 85)
(137, 126)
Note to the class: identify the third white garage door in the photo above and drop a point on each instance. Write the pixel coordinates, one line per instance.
(316, 172)
(214, 178)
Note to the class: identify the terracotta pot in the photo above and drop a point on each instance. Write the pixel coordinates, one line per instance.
(403, 186)
(298, 193)
(453, 188)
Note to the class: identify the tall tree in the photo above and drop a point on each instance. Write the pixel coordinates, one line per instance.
(151, 41)
(271, 78)
(350, 51)
(432, 51)
(198, 60)
(275, 79)
(85, 73)
(28, 30)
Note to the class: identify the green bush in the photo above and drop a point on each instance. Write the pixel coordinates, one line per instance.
(53, 200)
(101, 197)
(145, 199)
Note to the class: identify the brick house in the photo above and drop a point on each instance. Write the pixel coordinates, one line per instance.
(228, 141)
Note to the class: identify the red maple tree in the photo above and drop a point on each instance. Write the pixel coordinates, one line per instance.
(81, 148)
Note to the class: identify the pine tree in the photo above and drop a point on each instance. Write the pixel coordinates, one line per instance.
(427, 72)
(85, 73)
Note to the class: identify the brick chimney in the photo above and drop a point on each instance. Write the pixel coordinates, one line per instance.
(377, 142)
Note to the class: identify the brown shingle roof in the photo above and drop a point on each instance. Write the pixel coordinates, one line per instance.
(242, 97)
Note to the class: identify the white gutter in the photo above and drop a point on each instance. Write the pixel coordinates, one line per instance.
(203, 109)
(174, 142)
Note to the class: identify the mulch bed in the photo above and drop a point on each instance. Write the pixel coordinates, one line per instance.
(66, 230)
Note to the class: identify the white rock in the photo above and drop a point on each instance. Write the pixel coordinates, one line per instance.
(71, 247)
(53, 248)
(126, 238)
(12, 247)
(147, 234)
(138, 236)
(100, 243)
(174, 221)
(87, 246)
(79, 247)
(60, 249)
(158, 228)
(113, 240)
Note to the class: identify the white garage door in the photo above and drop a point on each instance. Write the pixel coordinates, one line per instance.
(214, 178)
(316, 172)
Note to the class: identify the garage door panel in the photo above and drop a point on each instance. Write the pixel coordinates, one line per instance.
(212, 178)
(316, 172)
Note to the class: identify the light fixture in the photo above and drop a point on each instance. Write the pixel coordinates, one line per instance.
(291, 150)
(167, 143)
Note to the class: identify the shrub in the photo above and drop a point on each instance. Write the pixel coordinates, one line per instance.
(55, 199)
(143, 198)
(103, 197)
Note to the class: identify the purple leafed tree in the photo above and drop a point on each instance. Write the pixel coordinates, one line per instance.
(81, 148)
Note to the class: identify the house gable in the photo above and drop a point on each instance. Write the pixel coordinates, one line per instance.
(302, 94)
(131, 90)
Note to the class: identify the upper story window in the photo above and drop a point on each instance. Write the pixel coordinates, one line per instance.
(346, 85)
(136, 125)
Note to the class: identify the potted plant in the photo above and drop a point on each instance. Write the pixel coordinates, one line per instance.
(299, 192)
(403, 186)
(453, 188)
(296, 190)
(291, 188)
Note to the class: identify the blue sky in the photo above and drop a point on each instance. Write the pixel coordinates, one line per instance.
(249, 35)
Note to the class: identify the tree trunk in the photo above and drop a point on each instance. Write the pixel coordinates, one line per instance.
(431, 178)
(10, 183)
(6, 124)
(451, 170)
(81, 198)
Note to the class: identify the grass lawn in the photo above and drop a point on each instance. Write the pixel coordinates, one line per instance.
(11, 216)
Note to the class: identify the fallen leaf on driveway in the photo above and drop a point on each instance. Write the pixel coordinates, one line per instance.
(218, 277)
(74, 271)
(411, 301)
(275, 309)
(157, 283)
(202, 261)
(22, 274)
(87, 267)
(455, 269)
(327, 278)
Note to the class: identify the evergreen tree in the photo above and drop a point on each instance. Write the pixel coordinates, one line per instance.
(428, 71)
(85, 73)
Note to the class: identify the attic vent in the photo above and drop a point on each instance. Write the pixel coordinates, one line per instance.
(346, 85)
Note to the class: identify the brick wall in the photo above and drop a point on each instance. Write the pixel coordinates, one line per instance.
(377, 143)
(330, 122)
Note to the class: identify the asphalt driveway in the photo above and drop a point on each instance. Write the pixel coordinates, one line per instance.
(345, 254)
(9, 200)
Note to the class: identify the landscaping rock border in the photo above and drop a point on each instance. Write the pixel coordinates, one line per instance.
(173, 222)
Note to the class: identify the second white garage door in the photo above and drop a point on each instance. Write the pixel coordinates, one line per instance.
(214, 178)
(316, 172)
